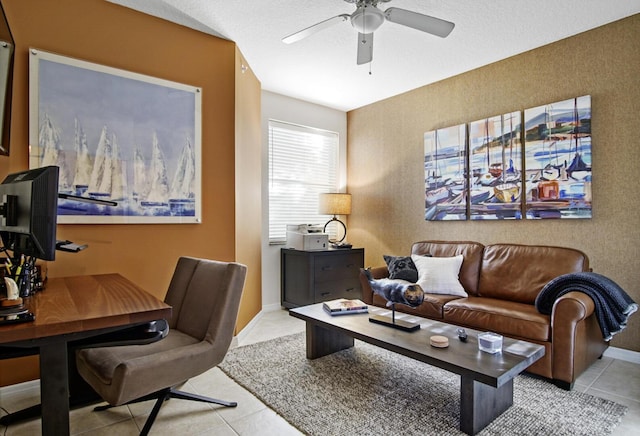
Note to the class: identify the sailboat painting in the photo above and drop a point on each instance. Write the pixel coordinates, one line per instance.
(127, 144)
(445, 169)
(558, 159)
(495, 159)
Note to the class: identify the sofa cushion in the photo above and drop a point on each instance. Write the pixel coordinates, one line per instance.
(401, 267)
(439, 275)
(471, 251)
(518, 273)
(505, 317)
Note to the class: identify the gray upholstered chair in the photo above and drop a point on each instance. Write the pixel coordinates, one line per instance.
(205, 296)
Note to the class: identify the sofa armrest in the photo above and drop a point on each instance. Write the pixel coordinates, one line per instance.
(570, 309)
(380, 272)
(576, 337)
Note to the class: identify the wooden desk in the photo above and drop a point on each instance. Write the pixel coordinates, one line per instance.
(70, 309)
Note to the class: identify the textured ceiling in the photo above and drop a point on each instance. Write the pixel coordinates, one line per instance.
(322, 68)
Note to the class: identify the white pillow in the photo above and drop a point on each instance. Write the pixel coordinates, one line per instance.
(439, 275)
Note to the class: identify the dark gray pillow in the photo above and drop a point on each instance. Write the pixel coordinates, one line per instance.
(401, 267)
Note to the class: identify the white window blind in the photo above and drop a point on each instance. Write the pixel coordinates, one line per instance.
(303, 163)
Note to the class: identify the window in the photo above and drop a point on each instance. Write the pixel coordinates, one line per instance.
(303, 163)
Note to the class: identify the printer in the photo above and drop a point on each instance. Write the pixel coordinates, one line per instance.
(307, 237)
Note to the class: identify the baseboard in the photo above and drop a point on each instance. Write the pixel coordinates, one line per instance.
(622, 354)
(245, 331)
(272, 307)
(19, 387)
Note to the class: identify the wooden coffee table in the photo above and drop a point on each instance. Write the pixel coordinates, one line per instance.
(486, 380)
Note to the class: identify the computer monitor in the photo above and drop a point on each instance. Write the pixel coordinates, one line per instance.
(29, 211)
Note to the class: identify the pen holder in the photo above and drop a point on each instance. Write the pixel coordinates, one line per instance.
(24, 281)
(27, 278)
(3, 287)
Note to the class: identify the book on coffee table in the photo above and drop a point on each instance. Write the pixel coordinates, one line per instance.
(344, 306)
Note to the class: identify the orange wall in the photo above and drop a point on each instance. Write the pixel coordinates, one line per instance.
(108, 34)
(248, 186)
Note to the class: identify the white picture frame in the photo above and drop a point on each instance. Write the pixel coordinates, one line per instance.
(117, 136)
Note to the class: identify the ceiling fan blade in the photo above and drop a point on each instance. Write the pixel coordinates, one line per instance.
(365, 48)
(294, 37)
(419, 21)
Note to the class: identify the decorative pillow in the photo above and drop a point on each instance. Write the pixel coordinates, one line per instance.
(401, 268)
(439, 275)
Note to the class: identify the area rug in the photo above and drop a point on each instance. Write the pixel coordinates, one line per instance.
(366, 390)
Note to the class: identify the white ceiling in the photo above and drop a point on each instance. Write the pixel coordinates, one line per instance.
(322, 68)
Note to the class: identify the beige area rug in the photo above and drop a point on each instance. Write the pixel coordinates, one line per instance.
(366, 390)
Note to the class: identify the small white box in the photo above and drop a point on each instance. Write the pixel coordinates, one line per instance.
(490, 342)
(307, 241)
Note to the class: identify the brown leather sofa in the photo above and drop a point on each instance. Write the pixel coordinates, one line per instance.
(502, 281)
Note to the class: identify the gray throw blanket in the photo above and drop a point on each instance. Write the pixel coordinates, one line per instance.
(613, 306)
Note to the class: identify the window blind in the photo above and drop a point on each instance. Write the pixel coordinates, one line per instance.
(303, 163)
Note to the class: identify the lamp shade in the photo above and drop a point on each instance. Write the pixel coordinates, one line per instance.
(335, 204)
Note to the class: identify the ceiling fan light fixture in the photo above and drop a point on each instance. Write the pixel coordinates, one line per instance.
(367, 19)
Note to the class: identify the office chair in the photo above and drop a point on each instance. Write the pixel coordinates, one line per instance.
(205, 297)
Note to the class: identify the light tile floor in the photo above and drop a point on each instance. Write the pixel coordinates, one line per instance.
(614, 379)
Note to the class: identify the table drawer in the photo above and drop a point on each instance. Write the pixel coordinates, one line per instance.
(345, 266)
(331, 290)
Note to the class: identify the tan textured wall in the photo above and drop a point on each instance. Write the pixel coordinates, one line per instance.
(385, 154)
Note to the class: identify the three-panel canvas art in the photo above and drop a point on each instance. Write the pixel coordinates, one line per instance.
(533, 164)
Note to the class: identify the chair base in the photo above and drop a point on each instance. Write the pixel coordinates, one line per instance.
(164, 395)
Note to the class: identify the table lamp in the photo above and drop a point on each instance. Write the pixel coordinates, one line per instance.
(335, 204)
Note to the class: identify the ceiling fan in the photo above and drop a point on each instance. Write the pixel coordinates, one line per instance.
(367, 18)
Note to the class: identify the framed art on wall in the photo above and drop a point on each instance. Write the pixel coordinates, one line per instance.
(495, 159)
(119, 136)
(558, 159)
(445, 169)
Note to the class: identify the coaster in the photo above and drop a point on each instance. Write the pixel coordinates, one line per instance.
(439, 341)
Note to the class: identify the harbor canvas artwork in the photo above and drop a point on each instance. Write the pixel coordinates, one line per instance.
(532, 164)
(495, 156)
(558, 159)
(445, 170)
(127, 138)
